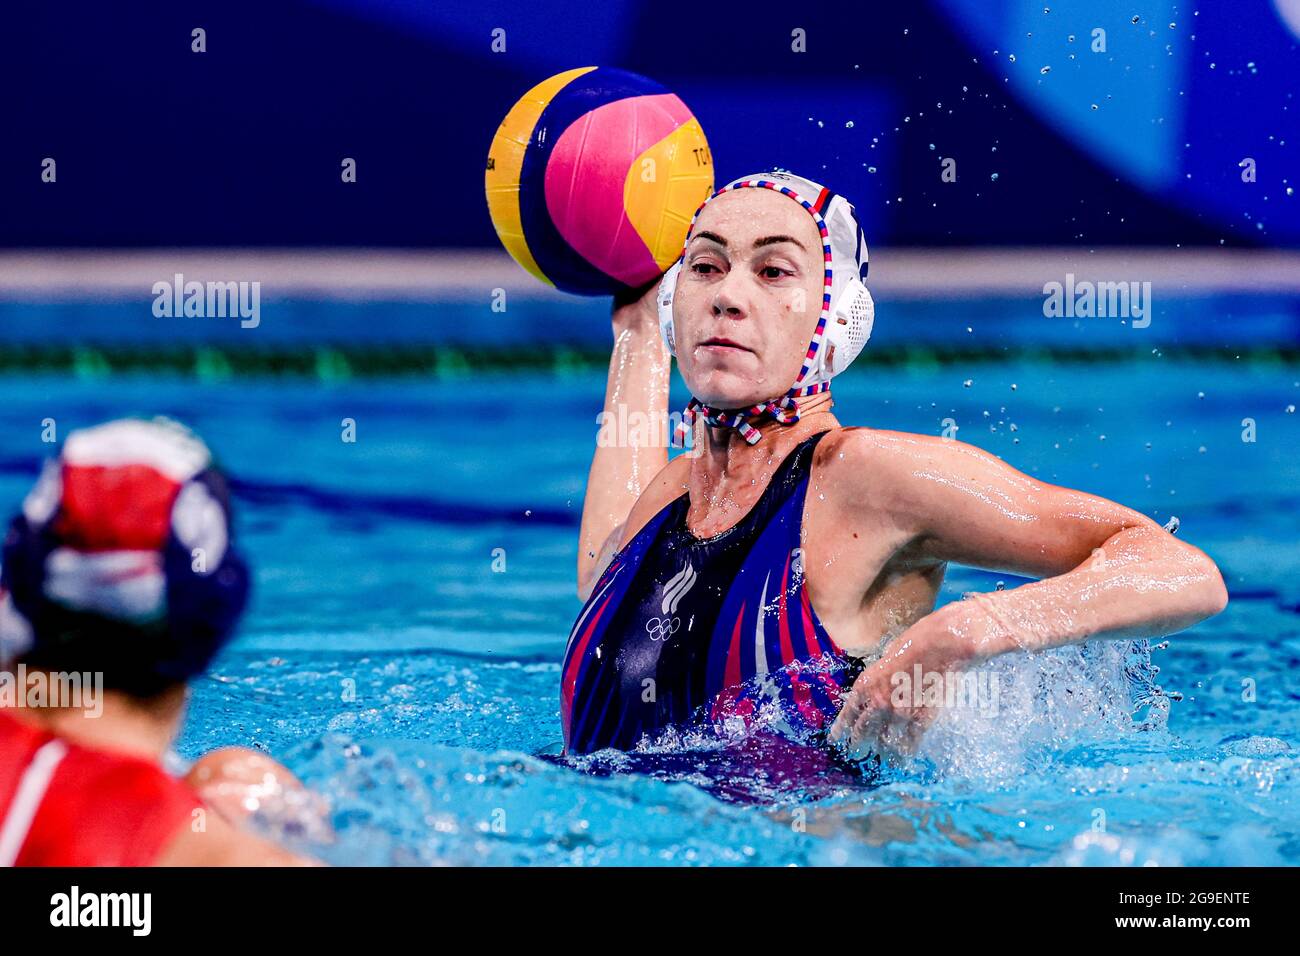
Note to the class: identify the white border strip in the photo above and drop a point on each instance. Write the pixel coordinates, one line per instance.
(429, 275)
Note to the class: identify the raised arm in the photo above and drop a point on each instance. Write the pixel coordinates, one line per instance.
(631, 440)
(1109, 572)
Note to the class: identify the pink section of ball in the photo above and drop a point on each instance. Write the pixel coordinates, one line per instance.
(587, 171)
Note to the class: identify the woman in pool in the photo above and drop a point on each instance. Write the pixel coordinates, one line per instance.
(791, 564)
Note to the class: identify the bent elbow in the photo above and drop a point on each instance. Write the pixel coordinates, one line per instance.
(1214, 592)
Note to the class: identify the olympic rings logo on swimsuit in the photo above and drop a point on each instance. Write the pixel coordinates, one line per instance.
(662, 628)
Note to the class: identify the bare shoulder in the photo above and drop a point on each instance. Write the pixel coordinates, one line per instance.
(883, 448)
(878, 468)
(668, 485)
(221, 844)
(860, 456)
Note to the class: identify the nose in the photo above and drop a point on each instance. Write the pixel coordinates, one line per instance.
(728, 297)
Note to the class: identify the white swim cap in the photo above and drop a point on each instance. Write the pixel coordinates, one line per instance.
(847, 313)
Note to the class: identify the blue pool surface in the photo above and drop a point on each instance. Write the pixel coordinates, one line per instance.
(390, 666)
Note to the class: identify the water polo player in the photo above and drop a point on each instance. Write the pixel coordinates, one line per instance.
(790, 564)
(121, 564)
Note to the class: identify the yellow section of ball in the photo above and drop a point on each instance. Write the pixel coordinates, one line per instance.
(505, 164)
(664, 187)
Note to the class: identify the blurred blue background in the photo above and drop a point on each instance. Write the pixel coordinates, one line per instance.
(1055, 143)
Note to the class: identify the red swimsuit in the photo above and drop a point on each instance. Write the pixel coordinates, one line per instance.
(62, 804)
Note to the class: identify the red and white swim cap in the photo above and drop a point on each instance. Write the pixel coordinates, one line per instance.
(847, 309)
(125, 540)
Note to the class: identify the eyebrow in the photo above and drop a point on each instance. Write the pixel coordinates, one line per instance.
(758, 243)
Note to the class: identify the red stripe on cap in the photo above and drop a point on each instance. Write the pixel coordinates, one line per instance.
(821, 199)
(120, 508)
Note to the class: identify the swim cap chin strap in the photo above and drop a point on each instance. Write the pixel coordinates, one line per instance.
(842, 239)
(785, 410)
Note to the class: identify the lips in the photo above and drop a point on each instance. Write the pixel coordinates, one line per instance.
(722, 342)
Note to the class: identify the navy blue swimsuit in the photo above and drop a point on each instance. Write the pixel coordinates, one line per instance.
(682, 631)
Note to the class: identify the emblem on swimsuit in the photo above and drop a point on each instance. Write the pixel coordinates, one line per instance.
(660, 629)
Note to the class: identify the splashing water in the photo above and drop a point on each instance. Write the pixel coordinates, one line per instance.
(453, 668)
(1032, 707)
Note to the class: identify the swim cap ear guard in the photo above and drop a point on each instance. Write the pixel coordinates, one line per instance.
(847, 315)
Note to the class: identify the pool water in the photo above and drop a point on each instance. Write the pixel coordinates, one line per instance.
(414, 590)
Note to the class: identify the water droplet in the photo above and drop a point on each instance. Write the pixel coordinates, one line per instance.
(994, 177)
(1045, 70)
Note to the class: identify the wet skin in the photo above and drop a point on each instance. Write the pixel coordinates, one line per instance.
(886, 511)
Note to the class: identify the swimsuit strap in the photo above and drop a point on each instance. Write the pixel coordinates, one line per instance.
(786, 479)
